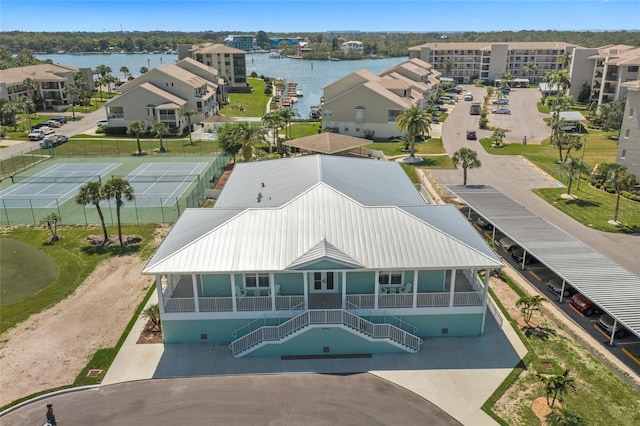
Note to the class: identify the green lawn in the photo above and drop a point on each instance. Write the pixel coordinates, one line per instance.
(123, 146)
(75, 260)
(252, 104)
(593, 207)
(302, 129)
(394, 148)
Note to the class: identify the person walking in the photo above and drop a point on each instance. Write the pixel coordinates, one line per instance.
(51, 418)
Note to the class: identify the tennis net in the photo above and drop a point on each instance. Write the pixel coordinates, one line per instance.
(56, 179)
(159, 178)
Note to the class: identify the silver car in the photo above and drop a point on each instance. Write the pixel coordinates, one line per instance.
(501, 110)
(605, 322)
(507, 243)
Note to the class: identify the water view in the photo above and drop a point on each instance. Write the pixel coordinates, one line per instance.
(311, 76)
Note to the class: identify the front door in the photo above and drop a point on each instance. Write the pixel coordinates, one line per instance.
(323, 282)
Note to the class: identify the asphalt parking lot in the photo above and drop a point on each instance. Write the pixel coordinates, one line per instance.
(538, 276)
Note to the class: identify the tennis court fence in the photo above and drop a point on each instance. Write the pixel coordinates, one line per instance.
(142, 209)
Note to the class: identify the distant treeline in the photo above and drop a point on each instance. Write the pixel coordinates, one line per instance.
(382, 43)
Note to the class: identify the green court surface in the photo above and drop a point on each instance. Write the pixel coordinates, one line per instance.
(183, 183)
(24, 270)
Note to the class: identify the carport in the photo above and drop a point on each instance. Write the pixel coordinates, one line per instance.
(612, 287)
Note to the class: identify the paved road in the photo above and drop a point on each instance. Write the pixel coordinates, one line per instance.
(88, 123)
(289, 399)
(515, 177)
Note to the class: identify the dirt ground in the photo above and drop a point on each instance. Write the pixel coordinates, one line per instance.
(50, 348)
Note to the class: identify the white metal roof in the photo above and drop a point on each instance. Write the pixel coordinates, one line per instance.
(271, 239)
(611, 286)
(361, 213)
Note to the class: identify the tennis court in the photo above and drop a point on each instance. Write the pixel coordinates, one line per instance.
(166, 182)
(57, 184)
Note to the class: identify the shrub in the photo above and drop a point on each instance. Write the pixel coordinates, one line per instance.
(115, 130)
(630, 196)
(483, 122)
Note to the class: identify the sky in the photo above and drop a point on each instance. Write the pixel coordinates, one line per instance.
(318, 15)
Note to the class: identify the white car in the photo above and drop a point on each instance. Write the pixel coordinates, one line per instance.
(102, 123)
(501, 101)
(507, 243)
(468, 96)
(501, 110)
(446, 100)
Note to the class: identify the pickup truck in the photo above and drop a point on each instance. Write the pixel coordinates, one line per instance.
(36, 135)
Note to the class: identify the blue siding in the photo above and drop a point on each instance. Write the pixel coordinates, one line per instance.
(432, 325)
(361, 282)
(217, 331)
(313, 342)
(431, 281)
(290, 284)
(216, 285)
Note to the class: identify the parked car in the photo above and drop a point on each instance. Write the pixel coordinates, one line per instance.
(569, 128)
(501, 110)
(61, 139)
(555, 286)
(435, 119)
(483, 223)
(439, 108)
(507, 243)
(455, 90)
(518, 254)
(583, 305)
(446, 100)
(468, 96)
(36, 135)
(605, 322)
(61, 119)
(102, 122)
(505, 89)
(471, 135)
(53, 141)
(501, 101)
(52, 123)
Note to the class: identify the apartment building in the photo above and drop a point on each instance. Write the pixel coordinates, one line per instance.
(51, 80)
(229, 61)
(629, 141)
(242, 42)
(353, 46)
(470, 61)
(158, 95)
(605, 69)
(364, 104)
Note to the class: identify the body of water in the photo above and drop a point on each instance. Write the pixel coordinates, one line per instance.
(311, 76)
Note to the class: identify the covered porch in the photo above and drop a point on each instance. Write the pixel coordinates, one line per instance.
(320, 290)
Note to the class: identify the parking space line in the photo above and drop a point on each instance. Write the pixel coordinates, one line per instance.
(536, 276)
(630, 355)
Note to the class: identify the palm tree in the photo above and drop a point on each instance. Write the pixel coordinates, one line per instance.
(447, 66)
(25, 103)
(497, 138)
(563, 416)
(119, 189)
(72, 91)
(92, 193)
(416, 122)
(557, 387)
(573, 165)
(274, 121)
(102, 70)
(531, 68)
(287, 115)
(32, 90)
(137, 128)
(528, 305)
(619, 180)
(124, 70)
(564, 60)
(144, 70)
(560, 79)
(228, 142)
(9, 111)
(185, 111)
(99, 82)
(248, 137)
(468, 159)
(507, 77)
(51, 221)
(109, 79)
(160, 130)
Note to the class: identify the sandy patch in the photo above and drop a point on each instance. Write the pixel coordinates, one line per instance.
(50, 348)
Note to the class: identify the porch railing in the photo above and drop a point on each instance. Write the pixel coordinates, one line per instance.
(225, 304)
(325, 317)
(215, 304)
(180, 304)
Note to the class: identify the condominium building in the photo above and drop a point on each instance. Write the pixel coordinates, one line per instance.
(242, 42)
(604, 69)
(229, 61)
(629, 140)
(465, 62)
(158, 95)
(364, 104)
(50, 79)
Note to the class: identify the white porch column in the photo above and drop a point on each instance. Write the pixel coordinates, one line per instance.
(159, 291)
(272, 278)
(562, 290)
(305, 281)
(485, 294)
(415, 288)
(344, 290)
(194, 284)
(234, 305)
(376, 290)
(452, 287)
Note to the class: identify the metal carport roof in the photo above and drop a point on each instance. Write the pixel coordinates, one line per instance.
(612, 287)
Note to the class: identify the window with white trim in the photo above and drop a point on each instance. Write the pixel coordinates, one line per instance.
(390, 277)
(255, 281)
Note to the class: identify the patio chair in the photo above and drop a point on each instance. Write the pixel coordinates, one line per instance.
(240, 292)
(276, 290)
(408, 288)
